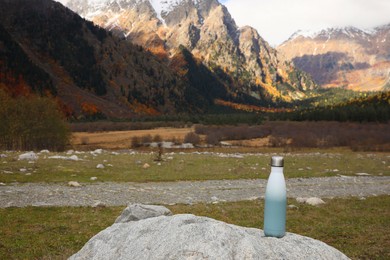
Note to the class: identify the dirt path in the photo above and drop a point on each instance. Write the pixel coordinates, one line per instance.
(120, 194)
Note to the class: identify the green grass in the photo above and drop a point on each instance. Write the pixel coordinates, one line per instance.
(189, 166)
(359, 228)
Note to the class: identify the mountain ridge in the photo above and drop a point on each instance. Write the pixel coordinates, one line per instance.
(343, 57)
(206, 28)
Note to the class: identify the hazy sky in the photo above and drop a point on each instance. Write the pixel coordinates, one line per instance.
(277, 20)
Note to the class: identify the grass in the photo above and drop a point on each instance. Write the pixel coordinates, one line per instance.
(128, 167)
(359, 228)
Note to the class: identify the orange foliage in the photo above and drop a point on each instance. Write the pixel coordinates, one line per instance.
(141, 109)
(178, 63)
(14, 86)
(160, 52)
(89, 108)
(249, 108)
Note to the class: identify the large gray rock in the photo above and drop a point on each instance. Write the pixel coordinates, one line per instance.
(135, 212)
(192, 237)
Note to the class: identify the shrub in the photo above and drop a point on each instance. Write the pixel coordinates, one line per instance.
(192, 138)
(136, 142)
(157, 139)
(213, 139)
(32, 123)
(146, 139)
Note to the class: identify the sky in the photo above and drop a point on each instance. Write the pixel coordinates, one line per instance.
(277, 20)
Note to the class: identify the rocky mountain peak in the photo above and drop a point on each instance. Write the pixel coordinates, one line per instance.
(240, 57)
(347, 56)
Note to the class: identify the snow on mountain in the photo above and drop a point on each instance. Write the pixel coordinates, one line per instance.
(349, 32)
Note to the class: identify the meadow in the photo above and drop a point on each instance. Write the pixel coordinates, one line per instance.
(189, 165)
(358, 227)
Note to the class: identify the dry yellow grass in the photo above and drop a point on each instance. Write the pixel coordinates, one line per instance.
(122, 139)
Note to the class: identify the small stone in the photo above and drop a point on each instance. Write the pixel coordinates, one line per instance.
(28, 156)
(73, 158)
(100, 166)
(44, 151)
(335, 170)
(69, 152)
(74, 184)
(98, 151)
(22, 170)
(136, 212)
(146, 166)
(3, 155)
(301, 200)
(214, 198)
(99, 204)
(292, 206)
(93, 178)
(28, 174)
(362, 174)
(314, 201)
(362, 198)
(2, 184)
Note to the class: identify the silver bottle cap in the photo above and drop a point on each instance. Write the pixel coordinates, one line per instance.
(277, 161)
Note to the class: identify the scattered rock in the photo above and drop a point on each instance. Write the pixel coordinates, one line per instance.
(3, 155)
(301, 200)
(93, 178)
(44, 151)
(186, 146)
(74, 184)
(28, 174)
(100, 166)
(99, 204)
(146, 166)
(22, 170)
(28, 156)
(7, 172)
(73, 158)
(313, 201)
(98, 151)
(362, 174)
(2, 184)
(69, 152)
(191, 237)
(135, 212)
(70, 158)
(292, 206)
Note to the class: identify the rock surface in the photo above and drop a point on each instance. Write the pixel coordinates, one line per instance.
(191, 237)
(135, 212)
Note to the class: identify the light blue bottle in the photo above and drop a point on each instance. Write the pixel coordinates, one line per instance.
(275, 200)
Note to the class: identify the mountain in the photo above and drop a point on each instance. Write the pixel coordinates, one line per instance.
(245, 64)
(343, 57)
(47, 49)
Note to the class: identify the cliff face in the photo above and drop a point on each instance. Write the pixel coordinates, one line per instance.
(208, 31)
(344, 57)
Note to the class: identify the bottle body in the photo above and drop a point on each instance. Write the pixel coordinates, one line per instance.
(275, 204)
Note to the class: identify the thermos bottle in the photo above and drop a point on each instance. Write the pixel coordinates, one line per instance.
(275, 200)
